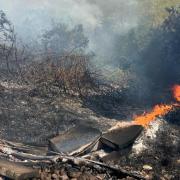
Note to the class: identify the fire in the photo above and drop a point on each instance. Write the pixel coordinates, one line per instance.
(158, 110)
(176, 92)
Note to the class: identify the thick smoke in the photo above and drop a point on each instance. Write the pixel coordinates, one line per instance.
(116, 36)
(102, 20)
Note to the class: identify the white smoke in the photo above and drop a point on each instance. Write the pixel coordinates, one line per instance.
(102, 20)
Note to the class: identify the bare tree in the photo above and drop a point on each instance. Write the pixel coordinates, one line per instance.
(7, 40)
(61, 40)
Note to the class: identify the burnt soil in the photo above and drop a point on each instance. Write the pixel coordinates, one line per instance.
(32, 116)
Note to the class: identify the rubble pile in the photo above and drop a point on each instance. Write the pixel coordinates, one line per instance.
(61, 139)
(62, 159)
(155, 153)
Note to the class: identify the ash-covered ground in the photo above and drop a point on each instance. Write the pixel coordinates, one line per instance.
(32, 114)
(156, 153)
(28, 116)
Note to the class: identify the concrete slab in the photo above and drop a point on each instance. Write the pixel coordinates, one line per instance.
(16, 171)
(75, 138)
(121, 137)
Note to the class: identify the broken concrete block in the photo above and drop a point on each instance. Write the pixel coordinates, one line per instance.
(147, 167)
(121, 137)
(79, 137)
(115, 155)
(16, 171)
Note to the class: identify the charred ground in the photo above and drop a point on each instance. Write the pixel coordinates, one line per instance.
(52, 85)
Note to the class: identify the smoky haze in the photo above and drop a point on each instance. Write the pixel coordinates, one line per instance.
(120, 34)
(102, 20)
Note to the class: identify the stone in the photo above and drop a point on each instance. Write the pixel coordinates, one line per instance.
(73, 174)
(121, 137)
(62, 171)
(178, 161)
(42, 176)
(86, 176)
(148, 176)
(74, 138)
(54, 176)
(17, 171)
(64, 177)
(129, 178)
(100, 176)
(147, 167)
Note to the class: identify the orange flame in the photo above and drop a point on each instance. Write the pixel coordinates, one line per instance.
(176, 92)
(158, 110)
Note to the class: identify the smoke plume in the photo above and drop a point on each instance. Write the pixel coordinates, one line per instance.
(101, 20)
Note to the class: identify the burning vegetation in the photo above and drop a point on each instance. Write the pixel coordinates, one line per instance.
(176, 92)
(158, 110)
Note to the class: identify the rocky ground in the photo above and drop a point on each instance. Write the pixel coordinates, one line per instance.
(69, 171)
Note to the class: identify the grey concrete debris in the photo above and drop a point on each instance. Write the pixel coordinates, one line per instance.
(83, 140)
(75, 138)
(71, 146)
(121, 137)
(16, 171)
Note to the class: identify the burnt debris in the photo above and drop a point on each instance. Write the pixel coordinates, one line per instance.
(69, 159)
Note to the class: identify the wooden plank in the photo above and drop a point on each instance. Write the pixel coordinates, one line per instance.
(16, 171)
